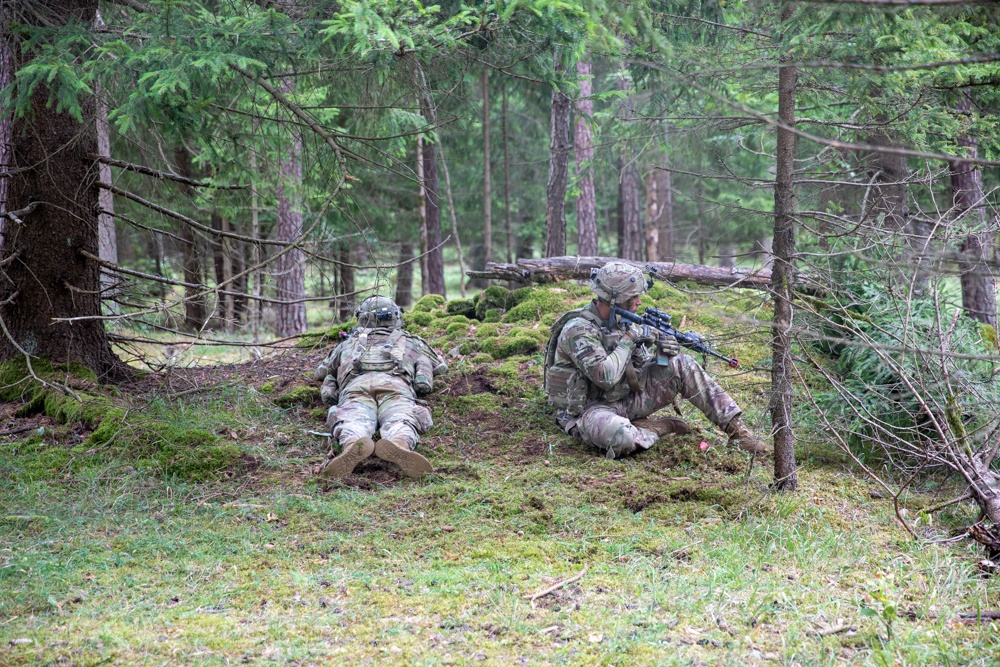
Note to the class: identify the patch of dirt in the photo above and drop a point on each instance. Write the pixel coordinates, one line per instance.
(637, 501)
(370, 474)
(470, 384)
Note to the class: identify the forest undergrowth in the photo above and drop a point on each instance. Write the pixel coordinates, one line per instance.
(131, 548)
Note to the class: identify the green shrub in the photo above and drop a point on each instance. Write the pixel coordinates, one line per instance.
(301, 395)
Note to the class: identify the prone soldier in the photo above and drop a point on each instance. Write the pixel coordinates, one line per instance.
(371, 380)
(601, 375)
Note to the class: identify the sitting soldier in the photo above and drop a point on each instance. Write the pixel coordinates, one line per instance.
(371, 380)
(601, 375)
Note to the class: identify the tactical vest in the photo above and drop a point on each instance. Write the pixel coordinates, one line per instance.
(566, 387)
(375, 351)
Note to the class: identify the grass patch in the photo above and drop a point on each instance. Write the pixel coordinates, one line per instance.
(108, 555)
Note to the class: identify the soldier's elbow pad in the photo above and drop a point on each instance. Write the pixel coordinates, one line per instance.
(422, 386)
(321, 372)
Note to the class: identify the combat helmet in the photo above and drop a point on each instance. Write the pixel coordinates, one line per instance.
(617, 282)
(381, 312)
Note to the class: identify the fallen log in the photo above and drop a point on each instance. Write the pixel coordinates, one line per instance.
(555, 269)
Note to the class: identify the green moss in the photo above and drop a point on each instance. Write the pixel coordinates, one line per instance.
(989, 336)
(482, 358)
(414, 320)
(534, 302)
(464, 307)
(487, 331)
(428, 303)
(458, 328)
(301, 395)
(331, 336)
(468, 347)
(493, 298)
(492, 315)
(503, 347)
(267, 387)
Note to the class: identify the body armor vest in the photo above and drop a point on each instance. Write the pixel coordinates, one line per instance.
(566, 387)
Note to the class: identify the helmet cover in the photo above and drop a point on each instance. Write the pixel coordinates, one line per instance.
(379, 311)
(617, 282)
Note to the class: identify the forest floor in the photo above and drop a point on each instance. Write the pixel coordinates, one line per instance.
(687, 557)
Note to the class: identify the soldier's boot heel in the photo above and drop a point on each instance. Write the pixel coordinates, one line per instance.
(353, 454)
(411, 463)
(745, 439)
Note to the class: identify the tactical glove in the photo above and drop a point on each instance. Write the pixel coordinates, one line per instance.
(640, 335)
(669, 347)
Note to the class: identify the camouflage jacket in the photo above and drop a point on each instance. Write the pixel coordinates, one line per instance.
(600, 353)
(416, 361)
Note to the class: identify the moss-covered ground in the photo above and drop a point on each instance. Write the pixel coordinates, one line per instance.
(180, 524)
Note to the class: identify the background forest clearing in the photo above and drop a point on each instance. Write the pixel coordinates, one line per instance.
(111, 553)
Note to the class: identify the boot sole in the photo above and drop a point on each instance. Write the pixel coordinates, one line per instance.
(412, 464)
(353, 454)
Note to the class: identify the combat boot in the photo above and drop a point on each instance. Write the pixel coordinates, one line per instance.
(663, 425)
(352, 454)
(396, 451)
(744, 438)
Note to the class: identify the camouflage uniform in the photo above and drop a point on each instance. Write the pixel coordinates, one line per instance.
(364, 402)
(606, 420)
(371, 380)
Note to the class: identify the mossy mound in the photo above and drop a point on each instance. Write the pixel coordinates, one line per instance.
(428, 303)
(465, 307)
(493, 298)
(301, 395)
(177, 450)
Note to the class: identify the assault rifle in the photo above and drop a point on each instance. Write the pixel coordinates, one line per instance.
(659, 320)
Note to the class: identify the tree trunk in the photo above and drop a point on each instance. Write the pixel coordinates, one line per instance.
(404, 275)
(487, 190)
(574, 267)
(345, 296)
(782, 279)
(586, 203)
(51, 278)
(107, 236)
(422, 215)
(727, 255)
(665, 197)
(652, 215)
(555, 190)
(289, 268)
(220, 307)
(6, 77)
(506, 179)
(195, 313)
(633, 246)
(435, 255)
(979, 287)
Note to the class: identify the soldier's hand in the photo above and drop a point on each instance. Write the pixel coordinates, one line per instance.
(668, 345)
(640, 334)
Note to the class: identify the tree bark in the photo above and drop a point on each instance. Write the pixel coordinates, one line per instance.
(506, 178)
(404, 275)
(422, 215)
(195, 313)
(555, 190)
(783, 278)
(555, 269)
(979, 287)
(6, 77)
(487, 189)
(586, 203)
(289, 268)
(633, 246)
(51, 278)
(106, 233)
(435, 255)
(345, 296)
(652, 215)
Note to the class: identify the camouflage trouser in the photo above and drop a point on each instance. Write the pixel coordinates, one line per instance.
(608, 426)
(378, 401)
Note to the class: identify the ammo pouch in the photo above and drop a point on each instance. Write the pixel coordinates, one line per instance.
(375, 358)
